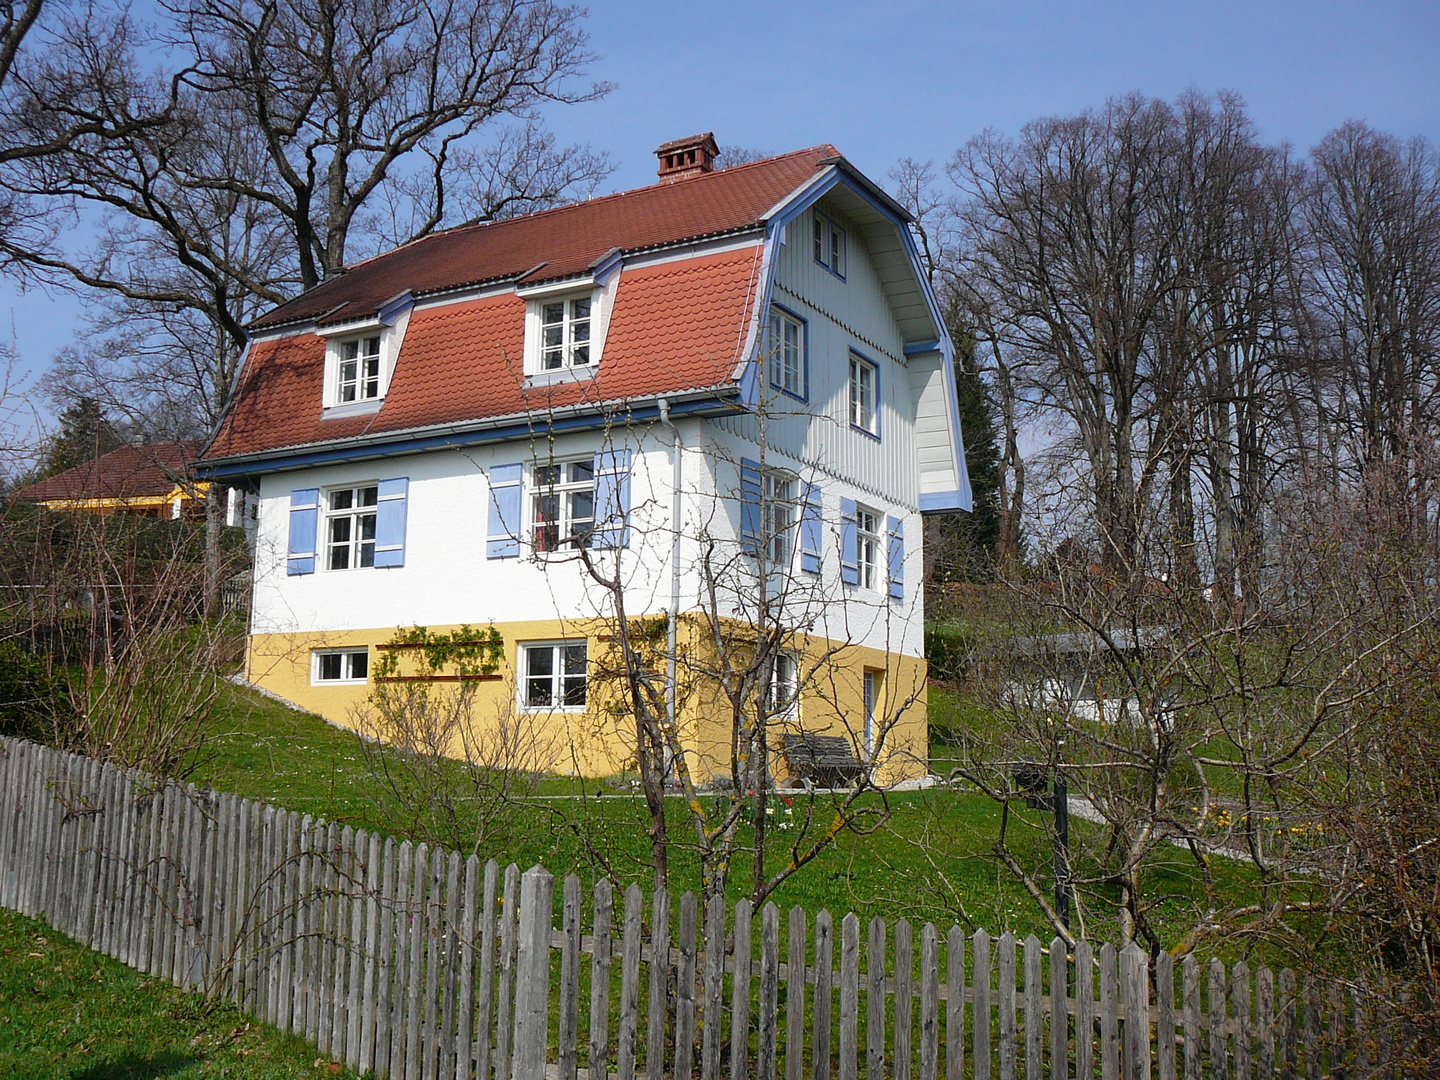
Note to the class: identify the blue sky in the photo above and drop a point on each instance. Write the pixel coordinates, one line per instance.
(882, 81)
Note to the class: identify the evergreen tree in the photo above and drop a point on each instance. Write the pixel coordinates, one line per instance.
(85, 434)
(967, 542)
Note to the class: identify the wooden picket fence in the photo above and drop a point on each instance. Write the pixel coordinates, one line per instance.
(414, 963)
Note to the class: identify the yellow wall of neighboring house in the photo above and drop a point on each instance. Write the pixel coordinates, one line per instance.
(599, 740)
(160, 505)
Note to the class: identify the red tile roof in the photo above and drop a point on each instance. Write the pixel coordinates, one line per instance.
(675, 326)
(568, 240)
(131, 472)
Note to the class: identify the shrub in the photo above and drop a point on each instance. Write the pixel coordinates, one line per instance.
(34, 703)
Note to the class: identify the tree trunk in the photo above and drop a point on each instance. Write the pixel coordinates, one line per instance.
(215, 499)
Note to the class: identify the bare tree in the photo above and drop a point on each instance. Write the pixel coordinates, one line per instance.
(753, 636)
(1372, 218)
(282, 137)
(1065, 230)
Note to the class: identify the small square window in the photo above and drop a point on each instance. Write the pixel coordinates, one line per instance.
(341, 666)
(553, 675)
(864, 395)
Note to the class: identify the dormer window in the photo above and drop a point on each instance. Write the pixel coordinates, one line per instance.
(565, 333)
(565, 329)
(358, 375)
(359, 364)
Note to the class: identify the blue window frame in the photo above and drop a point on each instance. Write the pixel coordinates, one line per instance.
(830, 244)
(789, 348)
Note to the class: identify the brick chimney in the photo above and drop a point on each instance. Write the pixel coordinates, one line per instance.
(681, 159)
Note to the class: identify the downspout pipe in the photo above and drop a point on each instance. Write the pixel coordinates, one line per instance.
(672, 622)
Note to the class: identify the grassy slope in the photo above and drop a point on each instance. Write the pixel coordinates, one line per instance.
(301, 762)
(67, 1012)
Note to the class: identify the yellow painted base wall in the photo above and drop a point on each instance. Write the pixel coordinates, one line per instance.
(599, 740)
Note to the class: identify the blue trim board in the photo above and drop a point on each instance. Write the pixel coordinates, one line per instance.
(606, 265)
(454, 439)
(934, 502)
(396, 306)
(915, 348)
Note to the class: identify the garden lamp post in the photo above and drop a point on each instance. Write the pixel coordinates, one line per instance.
(1032, 778)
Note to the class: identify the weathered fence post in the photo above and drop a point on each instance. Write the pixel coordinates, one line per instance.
(658, 1010)
(568, 1035)
(600, 979)
(955, 1004)
(1135, 994)
(532, 974)
(1165, 1017)
(714, 1000)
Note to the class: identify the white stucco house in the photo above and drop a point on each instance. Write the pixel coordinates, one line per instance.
(748, 357)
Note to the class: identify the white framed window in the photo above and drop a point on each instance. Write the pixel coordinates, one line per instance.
(553, 675)
(779, 516)
(562, 505)
(565, 333)
(357, 371)
(339, 665)
(783, 696)
(867, 547)
(830, 245)
(787, 353)
(864, 395)
(350, 527)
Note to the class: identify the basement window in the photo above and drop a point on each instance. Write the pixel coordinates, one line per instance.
(340, 666)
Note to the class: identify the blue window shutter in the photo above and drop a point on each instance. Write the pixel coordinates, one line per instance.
(612, 500)
(390, 521)
(304, 529)
(849, 543)
(897, 559)
(811, 536)
(750, 525)
(503, 540)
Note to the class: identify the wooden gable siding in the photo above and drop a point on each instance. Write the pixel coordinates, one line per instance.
(841, 316)
(934, 443)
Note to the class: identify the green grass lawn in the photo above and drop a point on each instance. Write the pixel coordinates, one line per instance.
(932, 856)
(71, 1014)
(67, 1012)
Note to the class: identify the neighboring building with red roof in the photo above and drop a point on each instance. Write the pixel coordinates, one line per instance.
(148, 480)
(747, 360)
